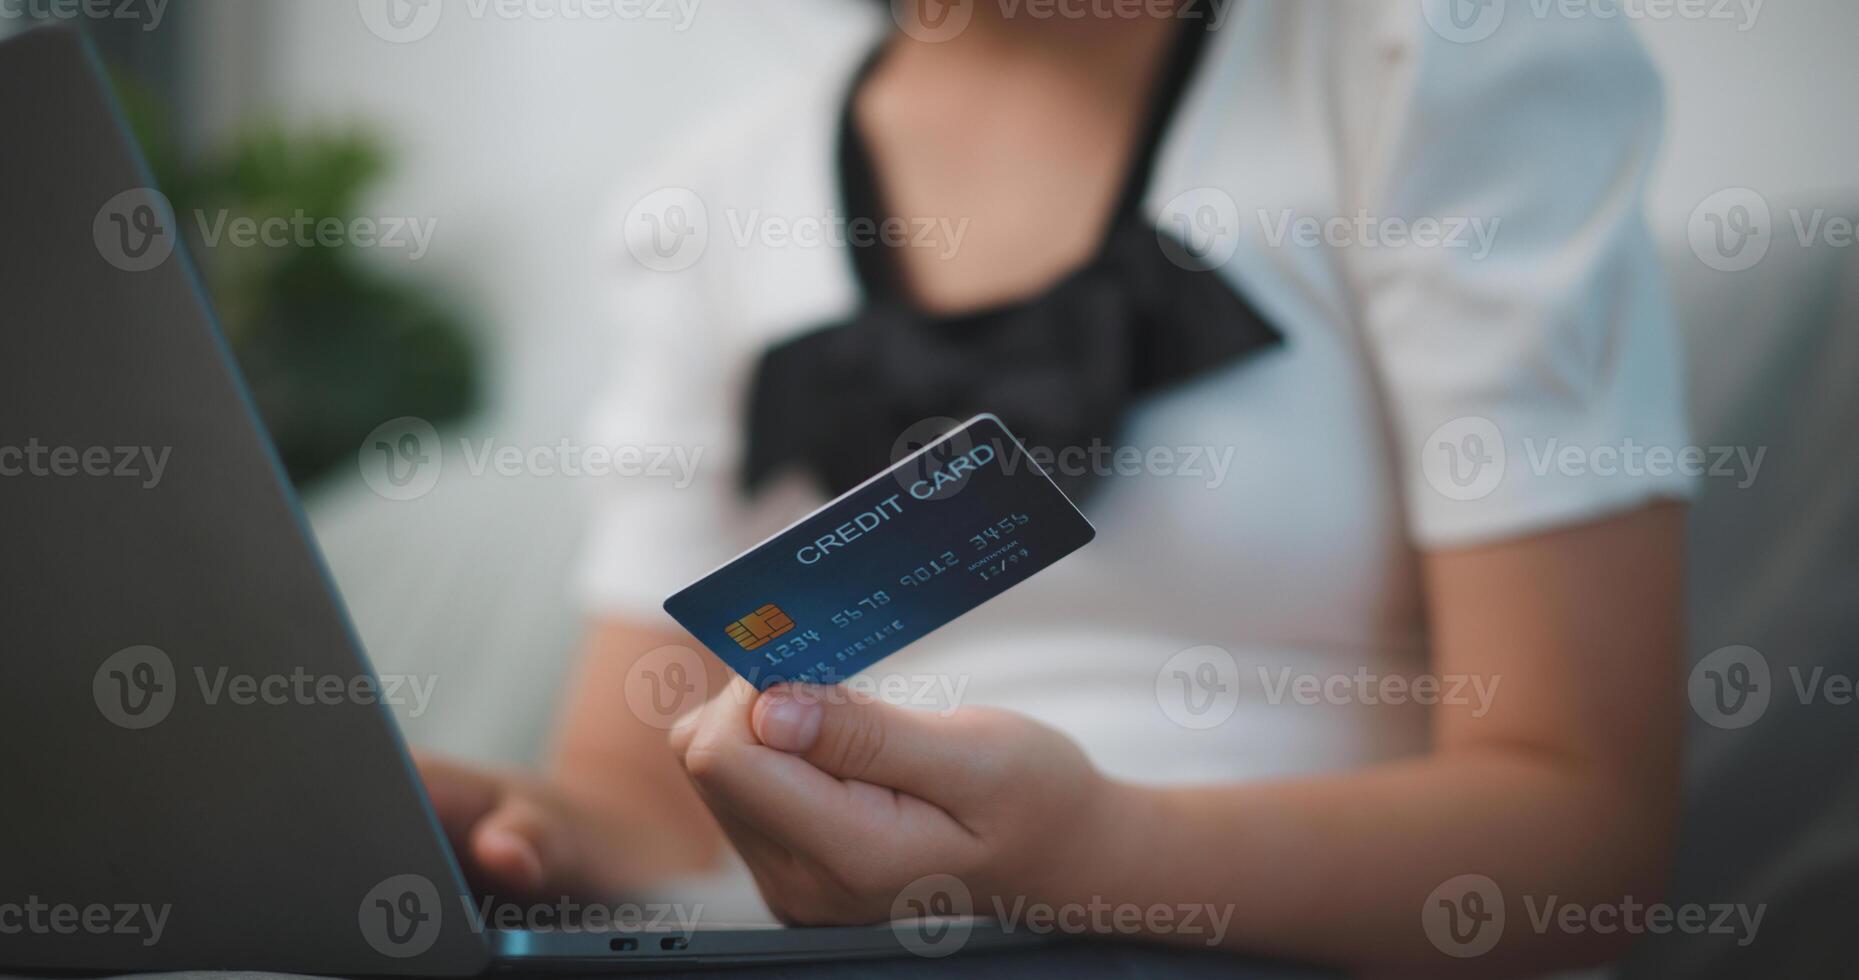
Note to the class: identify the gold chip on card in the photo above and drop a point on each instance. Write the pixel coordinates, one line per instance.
(760, 626)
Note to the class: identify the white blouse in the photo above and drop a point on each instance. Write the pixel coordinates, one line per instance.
(1448, 230)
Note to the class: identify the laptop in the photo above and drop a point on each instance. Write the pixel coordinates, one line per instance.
(149, 542)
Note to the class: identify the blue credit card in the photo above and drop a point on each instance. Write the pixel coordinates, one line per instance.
(940, 532)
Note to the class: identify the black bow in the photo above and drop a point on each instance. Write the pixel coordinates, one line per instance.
(1060, 370)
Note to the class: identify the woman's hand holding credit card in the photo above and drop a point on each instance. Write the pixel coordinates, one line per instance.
(837, 801)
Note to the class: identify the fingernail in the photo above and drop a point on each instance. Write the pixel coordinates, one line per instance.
(788, 723)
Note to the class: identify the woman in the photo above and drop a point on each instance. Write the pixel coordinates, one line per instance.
(1148, 259)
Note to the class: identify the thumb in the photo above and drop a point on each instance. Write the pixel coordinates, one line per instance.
(853, 736)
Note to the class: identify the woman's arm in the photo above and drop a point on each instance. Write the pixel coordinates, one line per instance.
(1564, 791)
